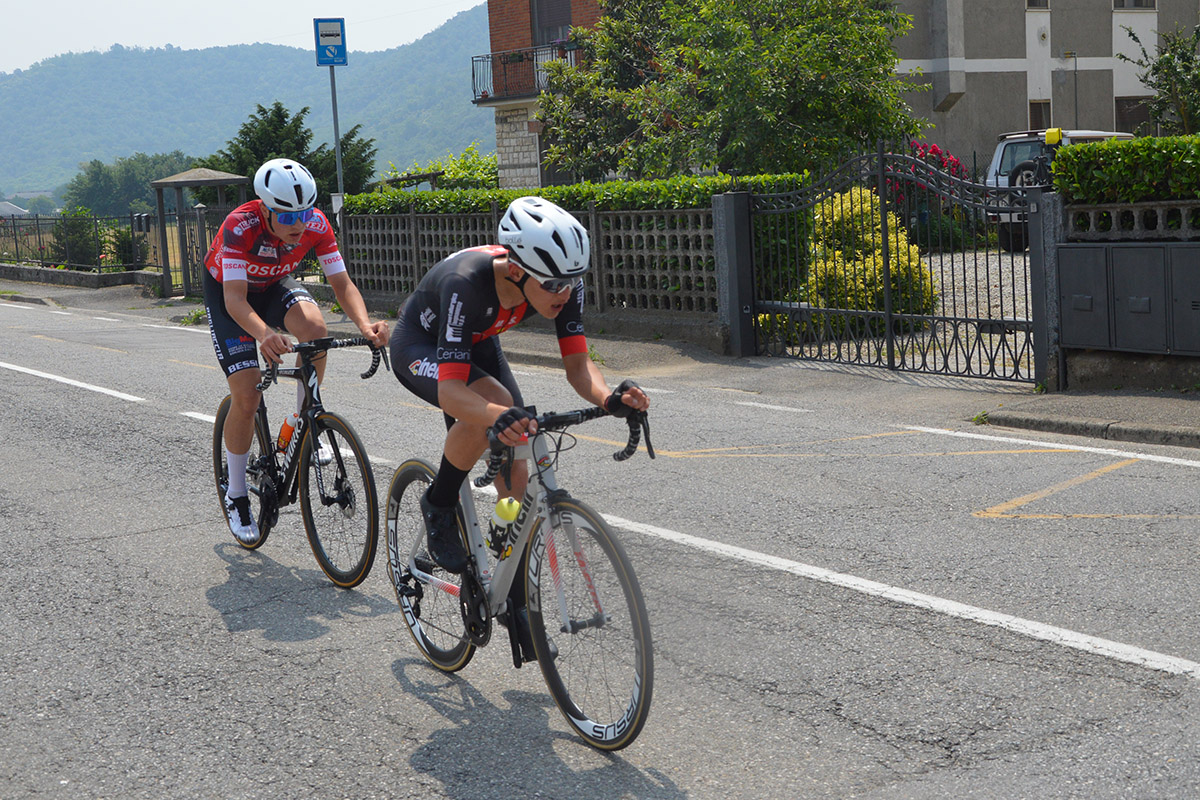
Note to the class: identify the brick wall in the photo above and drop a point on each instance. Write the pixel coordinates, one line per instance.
(509, 25)
(584, 13)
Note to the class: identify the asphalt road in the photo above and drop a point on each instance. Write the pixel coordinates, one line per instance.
(854, 592)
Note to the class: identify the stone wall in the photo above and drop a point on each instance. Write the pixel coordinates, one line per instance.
(517, 147)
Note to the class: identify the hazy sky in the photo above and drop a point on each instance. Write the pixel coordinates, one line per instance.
(38, 29)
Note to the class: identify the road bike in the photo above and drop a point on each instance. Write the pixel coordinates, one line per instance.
(587, 617)
(324, 464)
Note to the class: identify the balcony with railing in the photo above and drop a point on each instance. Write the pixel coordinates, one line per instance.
(516, 74)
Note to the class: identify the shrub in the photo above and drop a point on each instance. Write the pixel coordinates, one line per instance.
(76, 239)
(688, 191)
(125, 248)
(847, 269)
(1129, 171)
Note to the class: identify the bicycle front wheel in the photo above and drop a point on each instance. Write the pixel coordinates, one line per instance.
(338, 500)
(258, 474)
(427, 594)
(589, 626)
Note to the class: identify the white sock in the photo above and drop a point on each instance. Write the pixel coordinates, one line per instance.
(237, 473)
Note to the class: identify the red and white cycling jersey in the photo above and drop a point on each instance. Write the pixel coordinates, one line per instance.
(244, 250)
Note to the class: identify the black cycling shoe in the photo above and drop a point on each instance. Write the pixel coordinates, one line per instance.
(523, 636)
(442, 537)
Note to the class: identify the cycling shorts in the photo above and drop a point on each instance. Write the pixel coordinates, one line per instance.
(236, 349)
(414, 360)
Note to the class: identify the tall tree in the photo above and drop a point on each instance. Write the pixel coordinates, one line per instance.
(1173, 73)
(122, 187)
(277, 133)
(664, 86)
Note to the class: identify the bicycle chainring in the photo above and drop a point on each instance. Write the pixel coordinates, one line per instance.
(268, 508)
(476, 613)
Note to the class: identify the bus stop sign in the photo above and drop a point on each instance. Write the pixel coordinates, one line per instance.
(331, 42)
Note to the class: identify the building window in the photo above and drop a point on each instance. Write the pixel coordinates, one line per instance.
(1037, 3)
(551, 20)
(1039, 114)
(1132, 115)
(1151, 4)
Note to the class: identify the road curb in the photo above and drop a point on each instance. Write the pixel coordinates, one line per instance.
(1112, 430)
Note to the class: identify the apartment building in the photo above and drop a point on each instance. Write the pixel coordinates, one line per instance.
(1006, 65)
(992, 66)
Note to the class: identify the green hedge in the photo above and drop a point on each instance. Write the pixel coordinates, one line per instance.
(680, 192)
(1129, 171)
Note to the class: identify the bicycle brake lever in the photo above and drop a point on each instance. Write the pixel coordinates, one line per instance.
(644, 418)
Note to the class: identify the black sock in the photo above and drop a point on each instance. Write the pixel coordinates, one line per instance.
(444, 491)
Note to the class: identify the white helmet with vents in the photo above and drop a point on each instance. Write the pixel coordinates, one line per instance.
(547, 241)
(285, 185)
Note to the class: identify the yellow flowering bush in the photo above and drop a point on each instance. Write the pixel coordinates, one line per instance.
(847, 267)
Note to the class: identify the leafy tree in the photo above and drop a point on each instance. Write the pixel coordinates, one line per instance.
(751, 86)
(1174, 75)
(124, 186)
(469, 170)
(277, 133)
(38, 205)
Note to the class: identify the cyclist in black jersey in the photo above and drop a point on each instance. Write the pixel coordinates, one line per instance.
(445, 349)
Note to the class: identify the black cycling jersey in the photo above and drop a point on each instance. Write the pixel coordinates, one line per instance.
(447, 327)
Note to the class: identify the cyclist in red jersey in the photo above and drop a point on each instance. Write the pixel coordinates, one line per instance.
(250, 293)
(445, 349)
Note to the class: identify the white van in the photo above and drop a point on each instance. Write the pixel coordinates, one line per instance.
(1013, 151)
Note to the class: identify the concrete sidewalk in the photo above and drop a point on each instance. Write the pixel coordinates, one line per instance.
(1168, 416)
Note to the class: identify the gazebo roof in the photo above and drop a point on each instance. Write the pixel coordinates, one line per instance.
(201, 176)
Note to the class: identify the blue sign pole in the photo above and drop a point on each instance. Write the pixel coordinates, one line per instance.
(330, 36)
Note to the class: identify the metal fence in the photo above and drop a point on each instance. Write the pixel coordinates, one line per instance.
(643, 261)
(888, 261)
(95, 244)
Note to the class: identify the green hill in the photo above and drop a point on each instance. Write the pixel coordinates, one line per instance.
(414, 100)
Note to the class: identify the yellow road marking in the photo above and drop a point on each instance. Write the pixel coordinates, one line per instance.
(1003, 510)
(192, 364)
(64, 341)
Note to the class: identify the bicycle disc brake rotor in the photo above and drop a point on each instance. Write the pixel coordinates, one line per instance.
(343, 495)
(476, 614)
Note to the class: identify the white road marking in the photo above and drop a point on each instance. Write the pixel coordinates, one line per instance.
(79, 384)
(176, 328)
(1022, 627)
(773, 408)
(107, 319)
(16, 304)
(1104, 451)
(209, 418)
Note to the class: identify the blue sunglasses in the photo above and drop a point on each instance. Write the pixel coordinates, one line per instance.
(292, 217)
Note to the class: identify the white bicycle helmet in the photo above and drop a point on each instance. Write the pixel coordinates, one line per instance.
(547, 241)
(285, 185)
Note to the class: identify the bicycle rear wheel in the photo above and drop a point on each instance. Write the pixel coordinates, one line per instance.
(259, 482)
(427, 594)
(338, 501)
(584, 598)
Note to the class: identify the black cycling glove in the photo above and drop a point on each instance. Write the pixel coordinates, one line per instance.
(507, 418)
(613, 404)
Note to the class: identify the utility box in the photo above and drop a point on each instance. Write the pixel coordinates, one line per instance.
(1083, 290)
(1185, 298)
(1140, 297)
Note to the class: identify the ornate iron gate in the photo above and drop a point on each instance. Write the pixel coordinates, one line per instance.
(893, 260)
